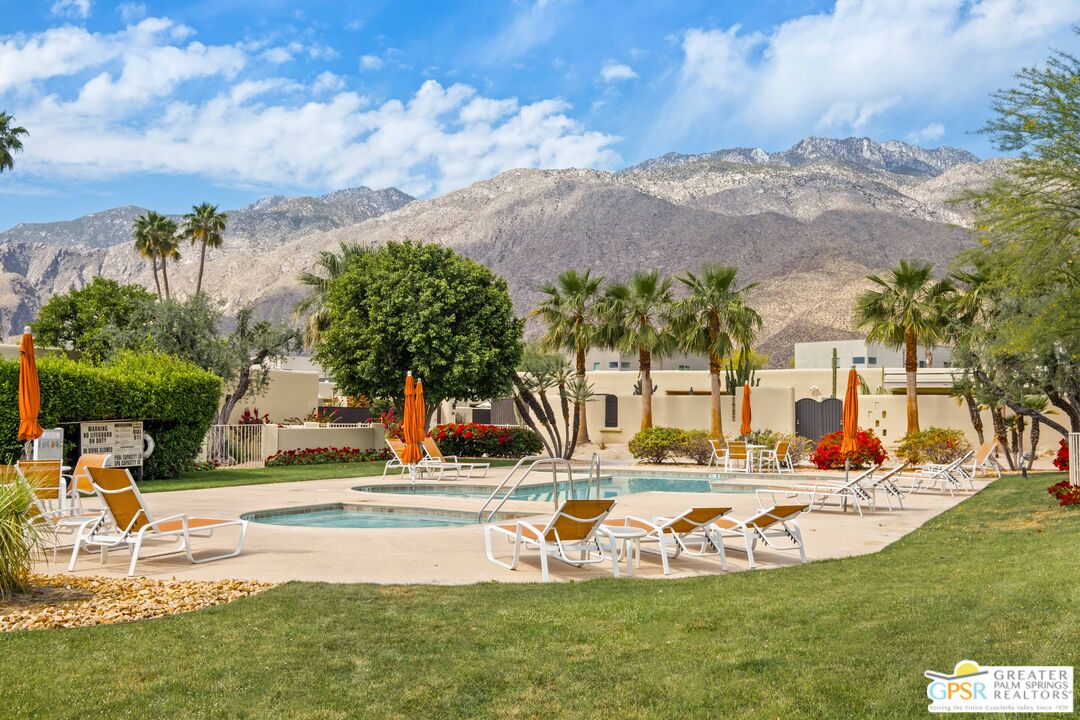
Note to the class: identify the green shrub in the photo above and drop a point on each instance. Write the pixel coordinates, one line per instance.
(175, 400)
(695, 446)
(933, 445)
(18, 537)
(656, 444)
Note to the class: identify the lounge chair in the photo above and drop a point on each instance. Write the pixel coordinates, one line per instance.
(885, 483)
(434, 456)
(946, 477)
(819, 494)
(985, 458)
(133, 524)
(777, 522)
(397, 449)
(778, 457)
(571, 529)
(56, 523)
(673, 535)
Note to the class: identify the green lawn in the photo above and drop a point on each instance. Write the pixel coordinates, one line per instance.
(995, 580)
(199, 479)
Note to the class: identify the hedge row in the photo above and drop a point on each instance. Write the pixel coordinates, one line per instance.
(477, 440)
(175, 400)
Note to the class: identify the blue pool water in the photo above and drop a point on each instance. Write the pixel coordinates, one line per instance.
(353, 516)
(609, 487)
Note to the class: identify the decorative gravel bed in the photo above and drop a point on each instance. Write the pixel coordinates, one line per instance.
(59, 601)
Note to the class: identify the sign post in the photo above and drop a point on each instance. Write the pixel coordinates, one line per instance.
(1074, 458)
(123, 439)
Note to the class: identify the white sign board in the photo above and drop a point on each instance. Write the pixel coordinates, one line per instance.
(123, 439)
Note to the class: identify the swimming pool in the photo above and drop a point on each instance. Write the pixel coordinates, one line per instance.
(610, 486)
(350, 515)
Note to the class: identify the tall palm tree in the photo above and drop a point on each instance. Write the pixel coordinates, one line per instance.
(9, 141)
(570, 312)
(332, 265)
(146, 246)
(714, 320)
(636, 318)
(907, 308)
(205, 225)
(166, 243)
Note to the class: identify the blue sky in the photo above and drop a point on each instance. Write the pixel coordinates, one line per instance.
(165, 104)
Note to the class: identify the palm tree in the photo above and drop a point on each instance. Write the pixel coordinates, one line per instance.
(166, 244)
(907, 308)
(635, 318)
(145, 246)
(714, 320)
(205, 225)
(9, 141)
(314, 306)
(570, 312)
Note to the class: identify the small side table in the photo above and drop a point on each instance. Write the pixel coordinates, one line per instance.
(628, 535)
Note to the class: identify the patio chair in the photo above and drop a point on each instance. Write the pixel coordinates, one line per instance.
(778, 457)
(736, 452)
(674, 535)
(133, 524)
(52, 524)
(48, 482)
(571, 529)
(778, 522)
(949, 476)
(985, 458)
(433, 455)
(819, 494)
(79, 484)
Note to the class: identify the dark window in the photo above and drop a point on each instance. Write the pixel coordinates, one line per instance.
(625, 365)
(596, 366)
(613, 365)
(611, 411)
(871, 360)
(858, 360)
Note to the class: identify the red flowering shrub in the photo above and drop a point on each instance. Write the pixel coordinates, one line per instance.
(1065, 493)
(390, 419)
(1061, 462)
(476, 440)
(827, 456)
(251, 416)
(322, 456)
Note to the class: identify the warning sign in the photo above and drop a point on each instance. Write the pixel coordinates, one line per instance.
(123, 439)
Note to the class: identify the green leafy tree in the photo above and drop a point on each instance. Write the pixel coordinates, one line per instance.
(714, 320)
(1025, 340)
(570, 312)
(96, 320)
(313, 309)
(907, 308)
(420, 307)
(10, 141)
(204, 226)
(539, 375)
(636, 318)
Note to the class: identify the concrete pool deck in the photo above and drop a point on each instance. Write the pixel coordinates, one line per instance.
(455, 555)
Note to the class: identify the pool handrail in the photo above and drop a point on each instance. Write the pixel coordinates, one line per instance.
(594, 463)
(535, 460)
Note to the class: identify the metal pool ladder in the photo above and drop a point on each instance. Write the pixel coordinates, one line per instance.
(535, 461)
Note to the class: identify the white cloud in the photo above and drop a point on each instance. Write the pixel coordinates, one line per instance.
(371, 62)
(276, 55)
(615, 71)
(131, 11)
(529, 28)
(327, 82)
(928, 134)
(133, 113)
(71, 8)
(854, 67)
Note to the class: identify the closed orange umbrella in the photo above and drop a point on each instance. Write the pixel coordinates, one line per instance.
(744, 429)
(421, 412)
(29, 390)
(409, 425)
(848, 446)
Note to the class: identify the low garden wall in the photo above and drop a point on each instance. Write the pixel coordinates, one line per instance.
(282, 439)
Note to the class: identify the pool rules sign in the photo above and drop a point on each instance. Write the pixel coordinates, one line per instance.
(123, 439)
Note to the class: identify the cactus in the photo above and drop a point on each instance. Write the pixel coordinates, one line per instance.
(637, 387)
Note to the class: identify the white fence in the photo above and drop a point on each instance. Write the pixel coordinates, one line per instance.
(234, 446)
(1074, 458)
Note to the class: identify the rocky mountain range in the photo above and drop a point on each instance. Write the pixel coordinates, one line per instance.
(807, 224)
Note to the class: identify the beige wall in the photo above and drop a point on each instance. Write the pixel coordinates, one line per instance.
(301, 438)
(289, 394)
